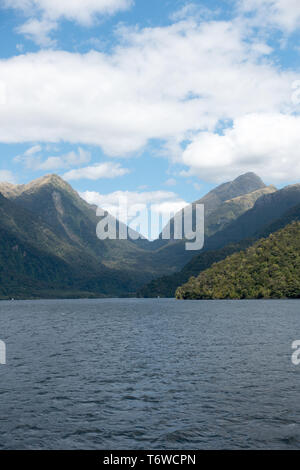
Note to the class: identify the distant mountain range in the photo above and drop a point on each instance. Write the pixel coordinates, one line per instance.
(49, 246)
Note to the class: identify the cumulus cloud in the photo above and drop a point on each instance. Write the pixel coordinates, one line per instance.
(32, 159)
(132, 198)
(106, 170)
(178, 85)
(45, 14)
(163, 83)
(7, 176)
(125, 205)
(284, 14)
(268, 144)
(83, 12)
(39, 31)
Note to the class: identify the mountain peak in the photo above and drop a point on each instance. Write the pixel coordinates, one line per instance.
(243, 184)
(250, 178)
(52, 178)
(51, 181)
(15, 190)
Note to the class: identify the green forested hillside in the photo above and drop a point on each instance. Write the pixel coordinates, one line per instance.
(73, 221)
(268, 269)
(36, 261)
(166, 286)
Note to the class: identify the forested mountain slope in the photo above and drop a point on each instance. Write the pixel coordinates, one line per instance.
(268, 269)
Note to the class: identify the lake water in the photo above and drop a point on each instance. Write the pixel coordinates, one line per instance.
(149, 374)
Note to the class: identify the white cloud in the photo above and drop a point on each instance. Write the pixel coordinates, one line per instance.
(68, 160)
(38, 31)
(33, 160)
(45, 14)
(126, 204)
(105, 170)
(7, 176)
(284, 14)
(193, 10)
(163, 83)
(171, 182)
(131, 198)
(268, 144)
(3, 94)
(83, 12)
(33, 150)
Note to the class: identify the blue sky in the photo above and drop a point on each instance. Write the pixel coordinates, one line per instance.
(160, 100)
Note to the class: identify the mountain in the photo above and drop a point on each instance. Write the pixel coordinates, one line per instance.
(72, 219)
(266, 210)
(268, 269)
(222, 205)
(35, 262)
(47, 220)
(166, 286)
(173, 255)
(23, 267)
(244, 184)
(74, 223)
(230, 210)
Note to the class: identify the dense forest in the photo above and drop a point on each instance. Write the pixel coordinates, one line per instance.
(268, 269)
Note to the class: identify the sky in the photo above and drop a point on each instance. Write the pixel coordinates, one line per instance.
(154, 101)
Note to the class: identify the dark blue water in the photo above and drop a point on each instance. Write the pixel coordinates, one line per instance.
(149, 374)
